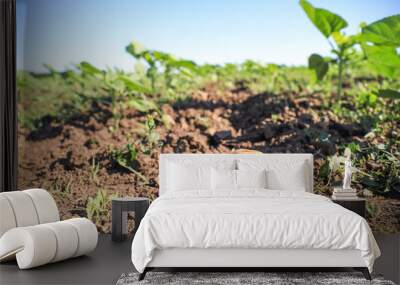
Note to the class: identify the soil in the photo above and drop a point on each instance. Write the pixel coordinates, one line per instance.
(59, 156)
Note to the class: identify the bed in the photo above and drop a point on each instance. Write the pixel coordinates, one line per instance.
(247, 210)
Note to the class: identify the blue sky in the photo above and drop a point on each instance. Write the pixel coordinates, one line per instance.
(64, 32)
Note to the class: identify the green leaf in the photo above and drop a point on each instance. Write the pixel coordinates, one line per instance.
(325, 21)
(149, 57)
(142, 105)
(163, 57)
(89, 69)
(188, 64)
(132, 151)
(343, 40)
(383, 32)
(133, 86)
(150, 123)
(383, 59)
(319, 65)
(353, 147)
(389, 93)
(50, 68)
(135, 49)
(324, 170)
(72, 76)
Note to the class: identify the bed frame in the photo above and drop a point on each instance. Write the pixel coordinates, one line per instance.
(242, 259)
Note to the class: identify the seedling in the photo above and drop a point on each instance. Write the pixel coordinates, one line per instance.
(126, 158)
(151, 138)
(161, 63)
(99, 206)
(94, 170)
(384, 34)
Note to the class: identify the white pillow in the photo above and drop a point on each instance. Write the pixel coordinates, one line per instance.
(281, 174)
(226, 179)
(223, 179)
(251, 178)
(183, 177)
(292, 179)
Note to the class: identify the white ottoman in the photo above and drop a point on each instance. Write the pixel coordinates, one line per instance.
(31, 232)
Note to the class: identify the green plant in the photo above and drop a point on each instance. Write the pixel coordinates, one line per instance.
(383, 164)
(330, 25)
(378, 40)
(389, 94)
(60, 188)
(380, 44)
(135, 100)
(94, 170)
(393, 107)
(161, 63)
(151, 138)
(123, 90)
(99, 205)
(127, 158)
(377, 168)
(372, 210)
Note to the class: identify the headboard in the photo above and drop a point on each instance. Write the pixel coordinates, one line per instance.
(213, 159)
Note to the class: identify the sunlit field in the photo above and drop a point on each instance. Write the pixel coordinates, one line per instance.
(88, 134)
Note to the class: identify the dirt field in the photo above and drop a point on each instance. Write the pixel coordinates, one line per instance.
(62, 157)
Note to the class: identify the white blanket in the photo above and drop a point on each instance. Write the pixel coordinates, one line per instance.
(250, 219)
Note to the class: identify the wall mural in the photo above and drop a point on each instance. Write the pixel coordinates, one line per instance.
(88, 134)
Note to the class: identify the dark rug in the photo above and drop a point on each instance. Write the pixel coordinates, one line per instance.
(229, 278)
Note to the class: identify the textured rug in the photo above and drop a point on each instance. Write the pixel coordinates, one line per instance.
(243, 278)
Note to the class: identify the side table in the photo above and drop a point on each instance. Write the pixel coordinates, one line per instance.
(357, 205)
(119, 215)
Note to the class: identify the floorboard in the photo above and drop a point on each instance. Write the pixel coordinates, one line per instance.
(103, 266)
(111, 259)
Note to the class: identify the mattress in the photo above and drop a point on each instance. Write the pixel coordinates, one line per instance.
(250, 219)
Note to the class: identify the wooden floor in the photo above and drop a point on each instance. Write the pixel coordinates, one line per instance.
(111, 259)
(103, 266)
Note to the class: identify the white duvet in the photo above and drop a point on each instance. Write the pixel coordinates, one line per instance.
(250, 218)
